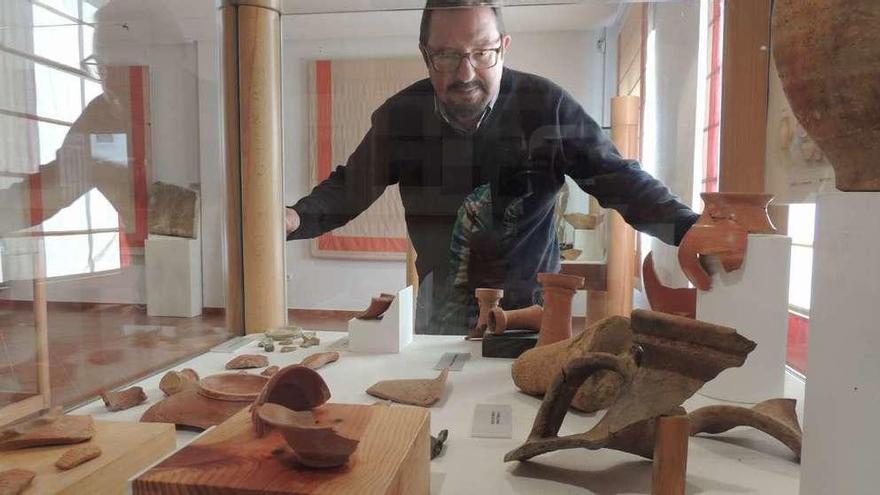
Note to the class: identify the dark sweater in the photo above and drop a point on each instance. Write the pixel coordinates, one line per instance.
(535, 134)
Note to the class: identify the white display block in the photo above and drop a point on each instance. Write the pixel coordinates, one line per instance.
(388, 335)
(590, 244)
(754, 301)
(842, 401)
(173, 267)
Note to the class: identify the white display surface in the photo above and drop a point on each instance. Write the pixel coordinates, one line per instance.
(754, 301)
(741, 461)
(392, 333)
(173, 268)
(843, 365)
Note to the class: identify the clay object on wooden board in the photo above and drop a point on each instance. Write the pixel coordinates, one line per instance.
(271, 370)
(378, 306)
(189, 409)
(533, 372)
(173, 210)
(673, 357)
(123, 399)
(722, 230)
(515, 319)
(246, 361)
(582, 221)
(318, 360)
(176, 381)
(487, 299)
(42, 432)
(76, 456)
(15, 481)
(295, 387)
(313, 445)
(828, 56)
(418, 392)
(775, 417)
(681, 301)
(559, 291)
(239, 387)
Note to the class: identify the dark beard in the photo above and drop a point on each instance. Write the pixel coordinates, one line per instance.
(467, 111)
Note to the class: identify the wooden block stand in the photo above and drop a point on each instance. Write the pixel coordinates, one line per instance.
(126, 449)
(393, 457)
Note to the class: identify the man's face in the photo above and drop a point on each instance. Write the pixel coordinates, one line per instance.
(465, 92)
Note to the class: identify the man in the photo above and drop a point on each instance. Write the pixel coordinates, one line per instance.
(479, 152)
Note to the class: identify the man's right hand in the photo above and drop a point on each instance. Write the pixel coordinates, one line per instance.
(291, 220)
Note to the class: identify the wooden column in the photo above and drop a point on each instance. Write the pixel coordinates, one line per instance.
(252, 57)
(670, 455)
(746, 69)
(625, 113)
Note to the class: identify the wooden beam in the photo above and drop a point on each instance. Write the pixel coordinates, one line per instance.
(746, 70)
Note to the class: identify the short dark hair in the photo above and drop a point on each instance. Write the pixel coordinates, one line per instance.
(430, 5)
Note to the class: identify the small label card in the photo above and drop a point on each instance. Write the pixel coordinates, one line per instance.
(452, 360)
(493, 421)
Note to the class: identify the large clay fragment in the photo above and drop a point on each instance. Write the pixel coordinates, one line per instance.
(173, 210)
(42, 432)
(828, 56)
(76, 456)
(239, 387)
(559, 290)
(15, 481)
(723, 230)
(535, 369)
(775, 417)
(177, 381)
(246, 361)
(488, 300)
(124, 399)
(378, 306)
(681, 301)
(320, 359)
(191, 410)
(417, 392)
(516, 319)
(271, 370)
(313, 445)
(673, 358)
(295, 387)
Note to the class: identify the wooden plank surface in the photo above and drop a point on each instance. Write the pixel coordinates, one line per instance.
(126, 449)
(392, 457)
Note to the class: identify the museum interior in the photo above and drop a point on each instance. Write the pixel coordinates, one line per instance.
(439, 246)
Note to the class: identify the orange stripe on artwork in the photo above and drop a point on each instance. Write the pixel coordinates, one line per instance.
(324, 123)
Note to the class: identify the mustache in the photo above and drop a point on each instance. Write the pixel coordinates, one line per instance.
(463, 86)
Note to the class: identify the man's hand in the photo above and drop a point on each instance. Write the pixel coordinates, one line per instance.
(291, 220)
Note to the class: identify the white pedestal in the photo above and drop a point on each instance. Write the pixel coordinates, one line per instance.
(390, 334)
(754, 301)
(842, 402)
(590, 244)
(173, 267)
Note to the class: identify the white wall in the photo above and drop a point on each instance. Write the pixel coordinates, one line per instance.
(569, 58)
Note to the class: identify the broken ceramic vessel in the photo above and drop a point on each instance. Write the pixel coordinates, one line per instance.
(516, 319)
(672, 358)
(15, 481)
(320, 359)
(50, 429)
(177, 381)
(558, 290)
(488, 300)
(775, 417)
(123, 399)
(295, 387)
(418, 392)
(533, 372)
(681, 301)
(828, 56)
(246, 361)
(722, 230)
(378, 306)
(189, 409)
(313, 445)
(239, 387)
(76, 456)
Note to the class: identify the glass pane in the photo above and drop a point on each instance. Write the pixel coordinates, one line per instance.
(801, 223)
(801, 277)
(73, 217)
(56, 37)
(68, 255)
(59, 94)
(69, 7)
(106, 252)
(51, 136)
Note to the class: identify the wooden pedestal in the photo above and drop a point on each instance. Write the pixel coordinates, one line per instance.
(393, 457)
(126, 449)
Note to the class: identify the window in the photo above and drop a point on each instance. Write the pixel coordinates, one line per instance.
(708, 140)
(46, 91)
(801, 221)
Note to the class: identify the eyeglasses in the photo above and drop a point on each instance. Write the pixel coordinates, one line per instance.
(485, 58)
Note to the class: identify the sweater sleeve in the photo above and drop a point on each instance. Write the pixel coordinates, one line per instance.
(349, 189)
(596, 166)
